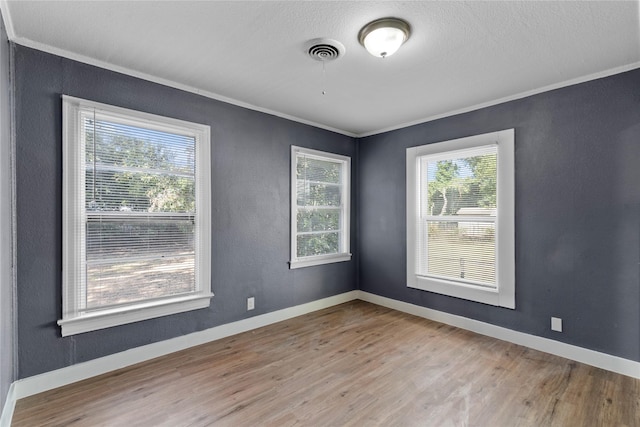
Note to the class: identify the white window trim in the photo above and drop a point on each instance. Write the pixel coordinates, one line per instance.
(504, 294)
(74, 319)
(345, 244)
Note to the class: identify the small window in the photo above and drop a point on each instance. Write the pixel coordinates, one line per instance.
(320, 184)
(460, 218)
(136, 219)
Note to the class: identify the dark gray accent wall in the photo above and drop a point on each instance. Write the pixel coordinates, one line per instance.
(7, 344)
(250, 219)
(577, 212)
(577, 166)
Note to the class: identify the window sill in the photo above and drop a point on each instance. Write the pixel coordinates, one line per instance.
(485, 295)
(318, 260)
(134, 313)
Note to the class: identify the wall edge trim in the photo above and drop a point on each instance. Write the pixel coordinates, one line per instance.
(169, 83)
(491, 103)
(60, 377)
(8, 407)
(605, 361)
(22, 41)
(8, 22)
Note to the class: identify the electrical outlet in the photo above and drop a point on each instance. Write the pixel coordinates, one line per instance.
(556, 324)
(251, 303)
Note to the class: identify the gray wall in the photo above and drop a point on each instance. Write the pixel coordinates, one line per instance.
(577, 213)
(6, 253)
(250, 174)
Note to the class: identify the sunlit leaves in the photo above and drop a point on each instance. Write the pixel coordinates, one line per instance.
(468, 182)
(318, 244)
(318, 201)
(318, 220)
(138, 170)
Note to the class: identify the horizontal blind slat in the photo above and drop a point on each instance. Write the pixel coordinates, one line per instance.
(458, 211)
(319, 199)
(140, 204)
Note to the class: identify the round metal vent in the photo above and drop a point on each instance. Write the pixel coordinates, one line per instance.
(324, 49)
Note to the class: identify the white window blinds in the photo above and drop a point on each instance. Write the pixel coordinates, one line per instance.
(136, 215)
(319, 202)
(320, 198)
(458, 216)
(140, 212)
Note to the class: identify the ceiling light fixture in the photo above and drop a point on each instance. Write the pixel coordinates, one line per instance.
(383, 37)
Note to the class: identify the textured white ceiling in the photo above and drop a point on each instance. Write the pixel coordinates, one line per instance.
(460, 55)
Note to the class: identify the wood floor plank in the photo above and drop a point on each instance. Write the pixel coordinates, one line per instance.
(356, 364)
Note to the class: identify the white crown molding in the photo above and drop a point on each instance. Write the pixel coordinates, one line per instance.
(566, 83)
(6, 17)
(590, 357)
(11, 35)
(166, 82)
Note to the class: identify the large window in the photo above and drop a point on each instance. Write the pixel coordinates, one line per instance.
(320, 202)
(136, 219)
(460, 218)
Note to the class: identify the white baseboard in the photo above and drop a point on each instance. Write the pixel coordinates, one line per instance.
(70, 374)
(9, 406)
(579, 354)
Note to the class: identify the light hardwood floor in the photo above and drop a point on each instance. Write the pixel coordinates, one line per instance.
(356, 364)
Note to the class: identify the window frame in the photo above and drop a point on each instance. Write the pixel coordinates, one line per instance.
(75, 318)
(345, 218)
(503, 294)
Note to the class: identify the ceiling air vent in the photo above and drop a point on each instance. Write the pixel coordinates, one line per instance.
(324, 49)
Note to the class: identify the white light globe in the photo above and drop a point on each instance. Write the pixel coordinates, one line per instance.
(384, 36)
(384, 42)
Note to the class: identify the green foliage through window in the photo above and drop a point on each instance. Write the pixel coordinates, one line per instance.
(138, 170)
(140, 203)
(467, 182)
(319, 205)
(464, 187)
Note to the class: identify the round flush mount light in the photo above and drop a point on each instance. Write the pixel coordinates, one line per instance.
(383, 37)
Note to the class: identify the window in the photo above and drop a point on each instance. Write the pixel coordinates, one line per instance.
(460, 218)
(136, 216)
(320, 184)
